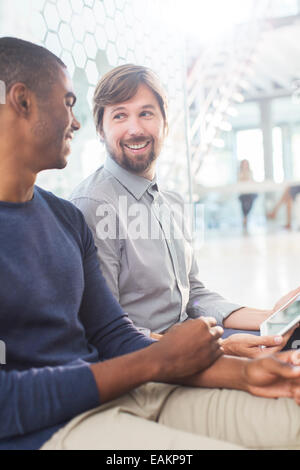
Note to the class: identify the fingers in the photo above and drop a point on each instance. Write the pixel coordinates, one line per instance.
(255, 341)
(270, 341)
(216, 332)
(289, 333)
(295, 358)
(291, 357)
(210, 321)
(277, 341)
(215, 349)
(281, 369)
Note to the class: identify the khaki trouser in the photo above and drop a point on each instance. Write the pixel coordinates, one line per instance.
(158, 416)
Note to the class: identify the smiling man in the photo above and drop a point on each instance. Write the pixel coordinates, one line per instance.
(156, 278)
(132, 149)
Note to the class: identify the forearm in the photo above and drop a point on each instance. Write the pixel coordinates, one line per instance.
(269, 377)
(246, 318)
(178, 354)
(226, 372)
(117, 376)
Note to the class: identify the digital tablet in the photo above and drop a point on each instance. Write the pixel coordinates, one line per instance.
(282, 320)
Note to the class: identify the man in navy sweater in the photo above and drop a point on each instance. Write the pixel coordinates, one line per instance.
(69, 347)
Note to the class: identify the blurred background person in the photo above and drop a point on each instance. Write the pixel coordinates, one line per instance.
(287, 200)
(247, 199)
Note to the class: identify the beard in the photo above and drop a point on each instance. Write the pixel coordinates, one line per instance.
(137, 164)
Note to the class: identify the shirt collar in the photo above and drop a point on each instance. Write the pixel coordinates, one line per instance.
(136, 185)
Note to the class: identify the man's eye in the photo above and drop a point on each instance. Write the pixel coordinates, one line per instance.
(119, 116)
(146, 114)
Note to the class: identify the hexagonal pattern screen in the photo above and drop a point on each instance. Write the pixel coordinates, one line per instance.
(92, 37)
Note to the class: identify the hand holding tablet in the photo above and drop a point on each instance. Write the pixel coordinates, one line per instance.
(284, 319)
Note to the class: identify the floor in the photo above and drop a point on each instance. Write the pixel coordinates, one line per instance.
(254, 270)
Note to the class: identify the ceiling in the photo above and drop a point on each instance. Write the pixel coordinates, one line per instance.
(259, 61)
(276, 61)
(275, 75)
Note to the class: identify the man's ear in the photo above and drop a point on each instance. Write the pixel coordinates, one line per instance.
(166, 129)
(101, 133)
(20, 98)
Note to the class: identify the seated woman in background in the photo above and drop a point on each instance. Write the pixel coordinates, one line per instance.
(286, 199)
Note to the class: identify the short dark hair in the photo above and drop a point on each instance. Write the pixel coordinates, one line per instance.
(26, 62)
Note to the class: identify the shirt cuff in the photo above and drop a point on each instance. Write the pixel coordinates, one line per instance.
(219, 312)
(145, 331)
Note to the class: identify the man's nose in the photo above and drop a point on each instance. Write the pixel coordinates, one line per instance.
(135, 128)
(75, 124)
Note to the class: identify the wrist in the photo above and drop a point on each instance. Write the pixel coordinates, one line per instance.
(237, 373)
(155, 368)
(245, 383)
(267, 313)
(151, 364)
(247, 318)
(227, 372)
(119, 375)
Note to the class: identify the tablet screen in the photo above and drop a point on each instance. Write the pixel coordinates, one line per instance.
(280, 321)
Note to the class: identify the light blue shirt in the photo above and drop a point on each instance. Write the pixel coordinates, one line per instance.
(145, 251)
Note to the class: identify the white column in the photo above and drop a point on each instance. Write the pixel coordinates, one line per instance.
(267, 127)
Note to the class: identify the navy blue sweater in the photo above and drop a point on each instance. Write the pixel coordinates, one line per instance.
(57, 316)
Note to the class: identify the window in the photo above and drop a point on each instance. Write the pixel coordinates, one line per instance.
(296, 153)
(278, 170)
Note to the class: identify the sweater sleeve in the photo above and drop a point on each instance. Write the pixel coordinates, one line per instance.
(39, 398)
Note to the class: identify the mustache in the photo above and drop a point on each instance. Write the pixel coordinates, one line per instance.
(137, 140)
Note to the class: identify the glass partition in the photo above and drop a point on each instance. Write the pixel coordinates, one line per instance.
(91, 37)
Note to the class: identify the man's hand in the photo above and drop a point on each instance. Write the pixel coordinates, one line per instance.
(184, 350)
(270, 376)
(274, 376)
(247, 345)
(187, 348)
